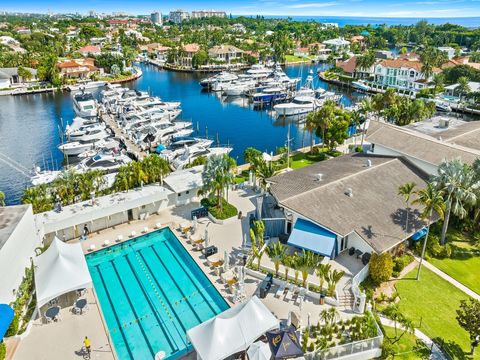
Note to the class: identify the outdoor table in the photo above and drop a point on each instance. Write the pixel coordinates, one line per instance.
(213, 258)
(217, 263)
(359, 253)
(195, 237)
(52, 312)
(231, 282)
(81, 304)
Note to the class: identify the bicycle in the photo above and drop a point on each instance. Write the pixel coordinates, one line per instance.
(86, 352)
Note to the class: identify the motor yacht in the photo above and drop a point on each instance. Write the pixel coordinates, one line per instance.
(223, 76)
(84, 104)
(104, 162)
(195, 151)
(299, 105)
(270, 95)
(96, 132)
(86, 85)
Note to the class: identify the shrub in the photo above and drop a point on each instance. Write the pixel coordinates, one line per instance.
(359, 149)
(381, 267)
(13, 329)
(227, 211)
(400, 263)
(3, 351)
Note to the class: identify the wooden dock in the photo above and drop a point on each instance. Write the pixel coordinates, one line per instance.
(132, 148)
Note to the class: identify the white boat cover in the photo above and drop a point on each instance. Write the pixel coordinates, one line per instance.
(60, 269)
(232, 331)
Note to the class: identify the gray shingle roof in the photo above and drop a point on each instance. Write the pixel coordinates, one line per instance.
(417, 145)
(9, 218)
(375, 211)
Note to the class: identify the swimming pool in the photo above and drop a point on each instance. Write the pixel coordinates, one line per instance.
(151, 292)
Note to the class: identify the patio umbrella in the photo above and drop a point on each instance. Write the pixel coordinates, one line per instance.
(206, 237)
(259, 351)
(195, 223)
(284, 344)
(226, 261)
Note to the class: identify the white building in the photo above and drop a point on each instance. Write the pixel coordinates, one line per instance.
(338, 44)
(156, 18)
(450, 51)
(179, 16)
(200, 14)
(18, 240)
(9, 77)
(225, 53)
(401, 73)
(185, 184)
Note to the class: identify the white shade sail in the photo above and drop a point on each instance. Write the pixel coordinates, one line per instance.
(259, 351)
(60, 269)
(232, 331)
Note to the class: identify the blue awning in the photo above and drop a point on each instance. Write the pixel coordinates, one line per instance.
(419, 234)
(6, 317)
(306, 235)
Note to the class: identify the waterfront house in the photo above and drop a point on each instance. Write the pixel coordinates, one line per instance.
(301, 52)
(186, 56)
(9, 77)
(360, 40)
(90, 50)
(424, 151)
(451, 90)
(345, 202)
(338, 45)
(401, 74)
(225, 53)
(155, 50)
(450, 51)
(79, 68)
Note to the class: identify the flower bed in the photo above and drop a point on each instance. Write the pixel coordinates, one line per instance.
(226, 212)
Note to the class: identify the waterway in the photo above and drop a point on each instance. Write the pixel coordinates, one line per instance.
(30, 125)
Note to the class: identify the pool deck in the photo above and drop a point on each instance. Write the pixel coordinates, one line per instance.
(62, 340)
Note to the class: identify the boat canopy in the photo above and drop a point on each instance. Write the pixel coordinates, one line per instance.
(309, 236)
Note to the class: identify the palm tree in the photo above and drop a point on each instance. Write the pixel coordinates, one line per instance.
(459, 186)
(406, 191)
(216, 177)
(432, 201)
(325, 116)
(258, 252)
(311, 125)
(308, 261)
(322, 273)
(287, 261)
(264, 171)
(333, 278)
(295, 265)
(276, 252)
(463, 88)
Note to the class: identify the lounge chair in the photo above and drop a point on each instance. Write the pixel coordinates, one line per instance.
(92, 247)
(158, 225)
(289, 295)
(106, 243)
(300, 297)
(280, 290)
(119, 238)
(133, 234)
(145, 229)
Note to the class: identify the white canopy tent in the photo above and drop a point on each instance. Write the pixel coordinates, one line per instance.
(232, 331)
(60, 269)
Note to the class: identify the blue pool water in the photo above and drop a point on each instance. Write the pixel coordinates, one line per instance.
(151, 292)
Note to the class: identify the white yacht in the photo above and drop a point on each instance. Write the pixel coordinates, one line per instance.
(76, 148)
(178, 145)
(79, 122)
(195, 151)
(86, 85)
(96, 132)
(298, 106)
(44, 176)
(259, 71)
(84, 104)
(223, 76)
(104, 162)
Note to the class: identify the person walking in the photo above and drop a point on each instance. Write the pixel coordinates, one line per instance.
(86, 343)
(85, 232)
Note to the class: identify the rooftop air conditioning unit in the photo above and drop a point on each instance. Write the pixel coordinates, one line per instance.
(443, 123)
(318, 177)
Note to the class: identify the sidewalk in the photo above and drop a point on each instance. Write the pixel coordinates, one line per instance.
(448, 278)
(436, 353)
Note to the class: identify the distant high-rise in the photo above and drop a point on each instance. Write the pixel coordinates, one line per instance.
(178, 16)
(207, 14)
(156, 18)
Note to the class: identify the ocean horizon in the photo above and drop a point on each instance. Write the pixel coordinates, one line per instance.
(469, 22)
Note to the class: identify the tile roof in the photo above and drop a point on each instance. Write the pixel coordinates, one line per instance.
(191, 48)
(90, 49)
(374, 211)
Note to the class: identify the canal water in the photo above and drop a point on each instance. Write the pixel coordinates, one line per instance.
(30, 125)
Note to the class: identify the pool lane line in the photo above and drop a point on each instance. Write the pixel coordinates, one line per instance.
(156, 287)
(155, 311)
(184, 296)
(113, 311)
(147, 340)
(167, 300)
(199, 289)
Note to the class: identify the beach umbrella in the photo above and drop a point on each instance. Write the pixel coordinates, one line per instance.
(284, 344)
(206, 237)
(259, 351)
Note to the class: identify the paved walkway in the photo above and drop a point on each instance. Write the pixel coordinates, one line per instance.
(436, 353)
(448, 278)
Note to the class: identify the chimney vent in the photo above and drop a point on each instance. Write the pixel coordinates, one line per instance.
(369, 163)
(318, 177)
(349, 192)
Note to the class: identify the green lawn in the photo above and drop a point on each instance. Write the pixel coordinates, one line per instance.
(304, 159)
(293, 58)
(406, 348)
(434, 301)
(465, 270)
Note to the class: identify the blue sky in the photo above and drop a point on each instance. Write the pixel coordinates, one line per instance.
(363, 8)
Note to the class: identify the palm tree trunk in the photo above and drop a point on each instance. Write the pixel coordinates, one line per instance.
(363, 132)
(445, 221)
(424, 248)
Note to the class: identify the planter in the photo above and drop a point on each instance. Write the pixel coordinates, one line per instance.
(221, 222)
